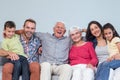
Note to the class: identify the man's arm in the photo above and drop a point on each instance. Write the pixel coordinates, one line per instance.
(19, 31)
(3, 53)
(11, 55)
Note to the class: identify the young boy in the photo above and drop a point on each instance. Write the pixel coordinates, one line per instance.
(12, 43)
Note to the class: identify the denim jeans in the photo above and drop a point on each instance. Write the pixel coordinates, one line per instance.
(104, 69)
(21, 67)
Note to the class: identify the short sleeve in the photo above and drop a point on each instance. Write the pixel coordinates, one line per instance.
(4, 45)
(116, 40)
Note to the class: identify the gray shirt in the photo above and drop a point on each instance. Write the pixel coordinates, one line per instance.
(54, 50)
(102, 53)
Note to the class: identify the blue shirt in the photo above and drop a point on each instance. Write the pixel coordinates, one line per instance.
(31, 48)
(54, 50)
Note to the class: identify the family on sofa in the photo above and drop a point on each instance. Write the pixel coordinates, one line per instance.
(58, 57)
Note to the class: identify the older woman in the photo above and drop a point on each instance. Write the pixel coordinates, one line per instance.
(82, 56)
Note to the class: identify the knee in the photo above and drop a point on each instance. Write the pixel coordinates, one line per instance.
(77, 71)
(88, 72)
(45, 65)
(7, 68)
(34, 67)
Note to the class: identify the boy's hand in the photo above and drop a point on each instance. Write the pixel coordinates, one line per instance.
(111, 58)
(13, 56)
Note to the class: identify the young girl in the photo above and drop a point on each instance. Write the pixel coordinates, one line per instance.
(113, 40)
(113, 60)
(82, 56)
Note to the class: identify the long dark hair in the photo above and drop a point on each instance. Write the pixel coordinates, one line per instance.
(89, 36)
(110, 26)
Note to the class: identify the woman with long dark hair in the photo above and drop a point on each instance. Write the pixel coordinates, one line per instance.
(95, 34)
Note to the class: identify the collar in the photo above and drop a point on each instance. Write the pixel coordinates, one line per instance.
(23, 38)
(58, 38)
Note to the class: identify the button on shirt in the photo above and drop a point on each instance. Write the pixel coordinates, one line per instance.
(54, 50)
(31, 48)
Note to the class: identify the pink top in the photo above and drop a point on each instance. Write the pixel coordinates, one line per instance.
(84, 54)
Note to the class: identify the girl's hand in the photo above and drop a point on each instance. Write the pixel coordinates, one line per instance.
(117, 57)
(111, 58)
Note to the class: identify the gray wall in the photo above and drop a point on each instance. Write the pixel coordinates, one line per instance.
(47, 12)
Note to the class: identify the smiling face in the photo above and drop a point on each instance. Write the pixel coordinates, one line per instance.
(9, 29)
(108, 34)
(95, 30)
(59, 30)
(29, 29)
(9, 32)
(75, 36)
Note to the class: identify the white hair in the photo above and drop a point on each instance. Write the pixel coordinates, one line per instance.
(60, 22)
(72, 29)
